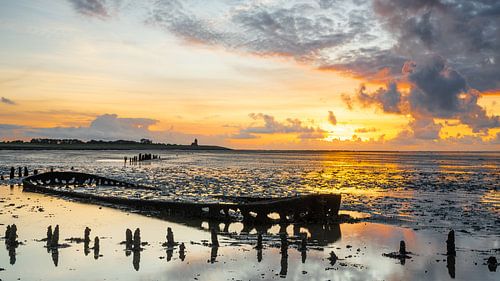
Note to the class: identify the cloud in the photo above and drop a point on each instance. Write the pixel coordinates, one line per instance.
(93, 8)
(388, 99)
(437, 91)
(331, 118)
(425, 128)
(369, 39)
(447, 51)
(365, 130)
(7, 101)
(465, 33)
(11, 131)
(269, 125)
(103, 127)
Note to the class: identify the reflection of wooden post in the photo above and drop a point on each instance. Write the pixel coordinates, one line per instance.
(450, 264)
(303, 243)
(213, 254)
(182, 254)
(96, 247)
(284, 254)
(136, 260)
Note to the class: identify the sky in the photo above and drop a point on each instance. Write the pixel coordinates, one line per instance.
(262, 74)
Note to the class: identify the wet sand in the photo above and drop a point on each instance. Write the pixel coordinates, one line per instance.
(358, 246)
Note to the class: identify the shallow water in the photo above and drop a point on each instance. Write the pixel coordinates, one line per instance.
(235, 259)
(416, 197)
(420, 190)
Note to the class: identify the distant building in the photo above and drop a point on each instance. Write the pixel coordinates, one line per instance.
(146, 141)
(195, 143)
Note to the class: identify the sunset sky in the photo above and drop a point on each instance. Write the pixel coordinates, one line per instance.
(268, 74)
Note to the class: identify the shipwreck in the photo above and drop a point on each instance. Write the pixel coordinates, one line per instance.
(93, 188)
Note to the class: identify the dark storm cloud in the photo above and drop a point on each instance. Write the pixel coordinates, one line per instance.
(389, 99)
(7, 101)
(437, 91)
(93, 8)
(465, 33)
(440, 92)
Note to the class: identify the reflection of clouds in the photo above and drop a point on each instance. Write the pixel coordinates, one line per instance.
(239, 262)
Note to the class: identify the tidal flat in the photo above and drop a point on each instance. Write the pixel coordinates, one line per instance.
(440, 193)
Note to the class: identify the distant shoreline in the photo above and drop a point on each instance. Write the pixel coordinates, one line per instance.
(106, 146)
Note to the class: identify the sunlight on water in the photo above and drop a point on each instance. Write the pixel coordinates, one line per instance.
(417, 189)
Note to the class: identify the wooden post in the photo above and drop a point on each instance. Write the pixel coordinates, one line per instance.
(215, 241)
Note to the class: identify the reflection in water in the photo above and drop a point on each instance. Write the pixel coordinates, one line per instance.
(303, 255)
(12, 254)
(182, 252)
(170, 252)
(55, 256)
(332, 258)
(136, 259)
(96, 248)
(450, 264)
(86, 248)
(259, 247)
(213, 254)
(284, 255)
(11, 242)
(259, 255)
(303, 247)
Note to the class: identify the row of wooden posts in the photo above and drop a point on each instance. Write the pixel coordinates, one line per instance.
(21, 172)
(134, 244)
(141, 157)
